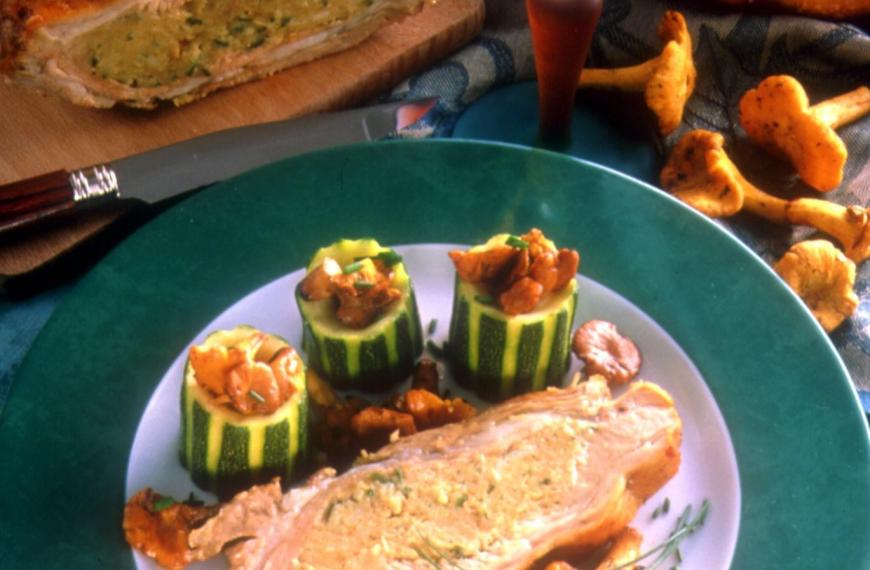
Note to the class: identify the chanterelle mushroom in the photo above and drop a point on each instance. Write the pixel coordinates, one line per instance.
(699, 173)
(606, 351)
(667, 80)
(777, 116)
(823, 277)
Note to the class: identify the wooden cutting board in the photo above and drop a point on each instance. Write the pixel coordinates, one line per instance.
(40, 134)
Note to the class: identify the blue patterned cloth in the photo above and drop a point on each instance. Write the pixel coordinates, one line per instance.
(732, 54)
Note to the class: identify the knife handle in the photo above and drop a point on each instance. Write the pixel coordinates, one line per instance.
(35, 199)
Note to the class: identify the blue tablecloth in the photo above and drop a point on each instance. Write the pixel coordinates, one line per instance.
(732, 53)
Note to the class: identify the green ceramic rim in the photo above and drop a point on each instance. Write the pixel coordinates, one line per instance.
(799, 434)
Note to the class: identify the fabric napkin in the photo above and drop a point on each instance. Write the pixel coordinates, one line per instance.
(732, 54)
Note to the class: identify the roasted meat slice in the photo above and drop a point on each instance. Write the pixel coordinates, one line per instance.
(499, 490)
(136, 52)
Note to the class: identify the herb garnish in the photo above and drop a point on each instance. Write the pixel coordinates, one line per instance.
(433, 324)
(363, 285)
(352, 267)
(671, 545)
(662, 509)
(395, 477)
(461, 501)
(516, 242)
(389, 257)
(257, 396)
(162, 503)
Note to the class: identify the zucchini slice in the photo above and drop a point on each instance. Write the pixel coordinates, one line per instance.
(226, 451)
(371, 359)
(499, 355)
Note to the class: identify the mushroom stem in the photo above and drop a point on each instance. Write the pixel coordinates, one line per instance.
(850, 225)
(633, 78)
(761, 203)
(843, 109)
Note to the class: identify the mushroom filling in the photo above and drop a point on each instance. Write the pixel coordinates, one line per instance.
(152, 49)
(518, 274)
(252, 377)
(361, 291)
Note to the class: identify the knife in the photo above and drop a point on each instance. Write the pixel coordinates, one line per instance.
(164, 172)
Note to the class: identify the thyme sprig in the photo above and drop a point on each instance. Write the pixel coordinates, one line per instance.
(671, 546)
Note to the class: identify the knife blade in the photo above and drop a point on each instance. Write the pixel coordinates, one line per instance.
(164, 172)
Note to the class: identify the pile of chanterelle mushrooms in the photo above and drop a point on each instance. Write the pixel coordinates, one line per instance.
(777, 116)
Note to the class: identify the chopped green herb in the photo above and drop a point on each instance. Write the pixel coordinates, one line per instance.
(389, 257)
(395, 477)
(433, 324)
(379, 478)
(191, 21)
(284, 21)
(220, 43)
(259, 39)
(461, 501)
(517, 242)
(546, 481)
(406, 491)
(257, 396)
(162, 503)
(670, 547)
(370, 493)
(94, 61)
(352, 267)
(198, 68)
(485, 299)
(239, 25)
(363, 285)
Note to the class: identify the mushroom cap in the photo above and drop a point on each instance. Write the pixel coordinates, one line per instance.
(776, 116)
(673, 78)
(606, 351)
(823, 277)
(699, 173)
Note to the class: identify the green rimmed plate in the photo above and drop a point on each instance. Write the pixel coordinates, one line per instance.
(800, 438)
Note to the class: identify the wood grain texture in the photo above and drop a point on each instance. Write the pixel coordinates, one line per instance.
(43, 133)
(40, 134)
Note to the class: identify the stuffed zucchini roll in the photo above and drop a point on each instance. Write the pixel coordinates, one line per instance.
(244, 410)
(513, 308)
(361, 329)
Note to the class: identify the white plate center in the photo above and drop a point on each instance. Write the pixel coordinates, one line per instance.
(709, 466)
